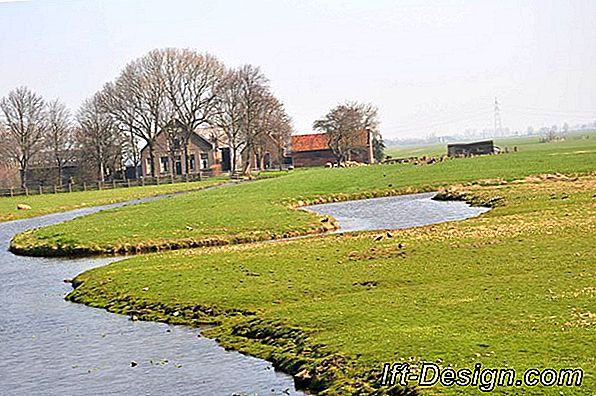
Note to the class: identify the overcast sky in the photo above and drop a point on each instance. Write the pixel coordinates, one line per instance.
(430, 66)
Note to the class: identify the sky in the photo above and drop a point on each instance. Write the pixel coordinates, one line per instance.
(431, 67)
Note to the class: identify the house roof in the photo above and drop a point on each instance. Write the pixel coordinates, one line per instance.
(314, 141)
(201, 134)
(320, 141)
(471, 144)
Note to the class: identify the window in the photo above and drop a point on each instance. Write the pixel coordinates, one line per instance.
(176, 143)
(204, 161)
(164, 164)
(192, 161)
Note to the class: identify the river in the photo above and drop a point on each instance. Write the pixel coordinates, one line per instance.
(49, 346)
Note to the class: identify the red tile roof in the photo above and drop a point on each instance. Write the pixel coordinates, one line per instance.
(314, 141)
(319, 141)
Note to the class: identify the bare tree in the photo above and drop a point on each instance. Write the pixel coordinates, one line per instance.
(251, 117)
(24, 118)
(190, 81)
(275, 128)
(138, 100)
(343, 125)
(281, 134)
(229, 114)
(98, 137)
(131, 154)
(125, 111)
(254, 95)
(59, 137)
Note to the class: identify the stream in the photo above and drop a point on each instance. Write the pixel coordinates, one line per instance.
(49, 346)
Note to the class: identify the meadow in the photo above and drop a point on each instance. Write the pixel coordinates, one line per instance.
(513, 288)
(264, 209)
(61, 202)
(523, 143)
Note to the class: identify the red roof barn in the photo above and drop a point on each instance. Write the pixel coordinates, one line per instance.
(313, 149)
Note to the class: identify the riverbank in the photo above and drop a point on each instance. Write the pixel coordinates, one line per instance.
(511, 288)
(53, 347)
(264, 210)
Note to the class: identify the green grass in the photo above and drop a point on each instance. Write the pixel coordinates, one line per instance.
(512, 288)
(52, 203)
(522, 144)
(262, 210)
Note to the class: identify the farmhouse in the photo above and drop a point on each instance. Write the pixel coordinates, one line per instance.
(469, 149)
(208, 153)
(313, 149)
(169, 156)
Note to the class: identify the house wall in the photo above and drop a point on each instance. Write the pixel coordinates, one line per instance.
(270, 151)
(313, 158)
(206, 158)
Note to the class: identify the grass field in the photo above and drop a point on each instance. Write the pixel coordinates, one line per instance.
(52, 203)
(513, 288)
(521, 143)
(261, 210)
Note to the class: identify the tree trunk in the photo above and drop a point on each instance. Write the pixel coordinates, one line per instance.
(151, 160)
(101, 171)
(186, 159)
(59, 163)
(23, 174)
(234, 159)
(261, 160)
(247, 162)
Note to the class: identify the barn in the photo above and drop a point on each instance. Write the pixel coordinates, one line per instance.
(469, 149)
(313, 149)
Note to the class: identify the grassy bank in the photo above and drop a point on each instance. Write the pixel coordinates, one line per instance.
(263, 210)
(513, 288)
(53, 203)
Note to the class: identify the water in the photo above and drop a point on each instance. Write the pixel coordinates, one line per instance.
(49, 346)
(395, 212)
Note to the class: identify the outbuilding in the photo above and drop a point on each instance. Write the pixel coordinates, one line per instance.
(469, 149)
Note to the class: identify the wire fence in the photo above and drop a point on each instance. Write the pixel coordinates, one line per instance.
(101, 185)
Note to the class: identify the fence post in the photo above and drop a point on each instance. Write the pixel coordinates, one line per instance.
(40, 190)
(143, 182)
(55, 189)
(127, 182)
(113, 183)
(172, 178)
(84, 186)
(70, 187)
(99, 185)
(26, 191)
(12, 192)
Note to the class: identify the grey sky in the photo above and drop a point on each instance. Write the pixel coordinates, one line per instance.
(430, 66)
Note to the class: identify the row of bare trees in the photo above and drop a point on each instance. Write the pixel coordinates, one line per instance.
(173, 90)
(43, 133)
(181, 90)
(33, 129)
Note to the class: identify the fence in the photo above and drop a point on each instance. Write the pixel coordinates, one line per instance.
(99, 185)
